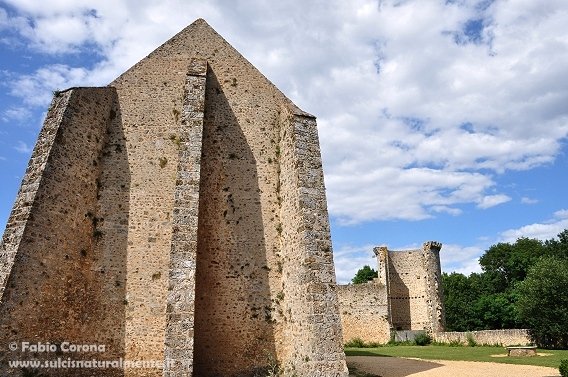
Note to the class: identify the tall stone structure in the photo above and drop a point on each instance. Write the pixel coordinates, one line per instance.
(406, 295)
(176, 216)
(414, 289)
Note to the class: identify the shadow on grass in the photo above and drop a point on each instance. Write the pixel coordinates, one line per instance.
(363, 352)
(388, 366)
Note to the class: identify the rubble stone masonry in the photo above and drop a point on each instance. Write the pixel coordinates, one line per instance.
(406, 295)
(364, 312)
(177, 215)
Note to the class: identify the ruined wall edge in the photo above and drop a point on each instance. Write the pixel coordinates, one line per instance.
(49, 250)
(314, 332)
(30, 184)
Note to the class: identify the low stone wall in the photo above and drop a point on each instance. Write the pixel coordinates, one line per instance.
(506, 337)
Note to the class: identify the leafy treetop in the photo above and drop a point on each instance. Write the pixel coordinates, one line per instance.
(364, 275)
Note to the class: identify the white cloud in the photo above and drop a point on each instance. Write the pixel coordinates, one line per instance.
(16, 113)
(349, 259)
(451, 211)
(462, 259)
(561, 214)
(492, 201)
(23, 147)
(416, 114)
(526, 200)
(37, 89)
(543, 231)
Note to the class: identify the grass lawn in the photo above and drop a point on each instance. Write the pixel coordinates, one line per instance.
(432, 352)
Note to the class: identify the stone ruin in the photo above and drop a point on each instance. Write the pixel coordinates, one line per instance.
(406, 297)
(176, 216)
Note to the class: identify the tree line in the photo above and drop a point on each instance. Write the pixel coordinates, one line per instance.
(522, 285)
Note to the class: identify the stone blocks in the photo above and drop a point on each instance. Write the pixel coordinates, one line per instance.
(178, 215)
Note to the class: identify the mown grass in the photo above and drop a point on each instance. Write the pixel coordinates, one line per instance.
(436, 352)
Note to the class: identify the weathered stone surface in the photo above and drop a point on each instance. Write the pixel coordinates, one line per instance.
(63, 276)
(364, 312)
(503, 337)
(177, 215)
(407, 295)
(521, 351)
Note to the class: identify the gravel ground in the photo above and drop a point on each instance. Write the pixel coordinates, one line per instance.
(401, 367)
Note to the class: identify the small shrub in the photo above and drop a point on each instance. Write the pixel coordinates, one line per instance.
(175, 139)
(563, 368)
(470, 340)
(455, 343)
(392, 340)
(163, 162)
(355, 343)
(422, 339)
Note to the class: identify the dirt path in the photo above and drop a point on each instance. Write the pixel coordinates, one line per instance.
(401, 367)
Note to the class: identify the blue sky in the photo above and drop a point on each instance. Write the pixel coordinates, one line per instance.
(438, 120)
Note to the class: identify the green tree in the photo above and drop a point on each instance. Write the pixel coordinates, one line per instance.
(558, 247)
(472, 304)
(364, 275)
(489, 300)
(543, 302)
(507, 264)
(497, 311)
(459, 293)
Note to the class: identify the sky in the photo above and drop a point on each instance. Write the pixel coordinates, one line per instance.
(438, 120)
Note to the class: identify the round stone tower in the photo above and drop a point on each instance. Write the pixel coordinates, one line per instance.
(434, 291)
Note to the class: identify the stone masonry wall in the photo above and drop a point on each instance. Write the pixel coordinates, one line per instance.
(406, 295)
(311, 338)
(436, 311)
(414, 288)
(151, 102)
(241, 300)
(186, 205)
(407, 290)
(508, 337)
(56, 280)
(364, 312)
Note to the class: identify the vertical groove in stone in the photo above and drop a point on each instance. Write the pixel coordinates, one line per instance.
(178, 352)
